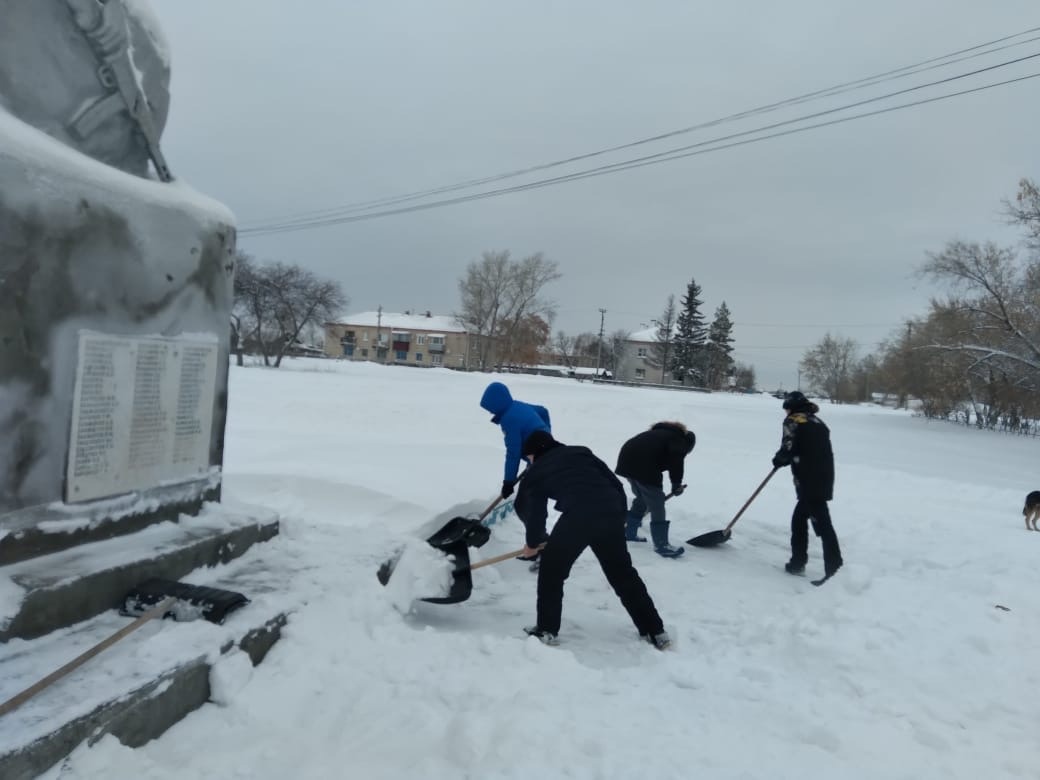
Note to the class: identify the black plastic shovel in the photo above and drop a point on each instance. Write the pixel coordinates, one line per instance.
(715, 538)
(454, 538)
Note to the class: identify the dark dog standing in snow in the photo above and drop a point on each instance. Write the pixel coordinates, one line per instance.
(592, 504)
(806, 447)
(1031, 511)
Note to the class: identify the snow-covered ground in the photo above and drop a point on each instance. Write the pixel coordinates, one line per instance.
(903, 666)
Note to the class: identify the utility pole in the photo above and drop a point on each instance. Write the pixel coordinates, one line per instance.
(599, 350)
(379, 330)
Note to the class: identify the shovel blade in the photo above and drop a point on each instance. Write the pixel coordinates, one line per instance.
(710, 539)
(461, 577)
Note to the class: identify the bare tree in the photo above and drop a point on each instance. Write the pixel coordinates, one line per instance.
(828, 367)
(498, 294)
(999, 308)
(744, 375)
(277, 301)
(616, 350)
(242, 323)
(1025, 211)
(661, 349)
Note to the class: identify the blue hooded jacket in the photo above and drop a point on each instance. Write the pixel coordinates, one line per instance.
(518, 421)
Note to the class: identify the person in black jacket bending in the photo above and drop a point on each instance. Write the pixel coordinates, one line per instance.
(592, 504)
(642, 461)
(806, 447)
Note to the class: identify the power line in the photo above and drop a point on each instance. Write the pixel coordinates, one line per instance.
(903, 72)
(704, 147)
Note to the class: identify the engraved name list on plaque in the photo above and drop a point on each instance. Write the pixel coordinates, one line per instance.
(142, 413)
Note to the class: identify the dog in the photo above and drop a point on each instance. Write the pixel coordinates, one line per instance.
(1031, 510)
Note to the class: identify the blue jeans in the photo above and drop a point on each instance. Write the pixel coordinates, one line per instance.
(647, 498)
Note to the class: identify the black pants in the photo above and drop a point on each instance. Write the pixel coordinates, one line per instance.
(817, 511)
(606, 536)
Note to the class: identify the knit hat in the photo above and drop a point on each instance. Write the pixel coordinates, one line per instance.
(538, 443)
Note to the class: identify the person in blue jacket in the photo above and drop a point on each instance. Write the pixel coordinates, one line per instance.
(518, 421)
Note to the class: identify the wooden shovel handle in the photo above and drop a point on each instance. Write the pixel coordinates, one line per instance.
(747, 503)
(16, 701)
(497, 559)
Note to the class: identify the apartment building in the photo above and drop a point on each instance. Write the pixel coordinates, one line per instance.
(423, 339)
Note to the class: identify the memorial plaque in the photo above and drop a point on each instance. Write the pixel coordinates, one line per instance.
(142, 413)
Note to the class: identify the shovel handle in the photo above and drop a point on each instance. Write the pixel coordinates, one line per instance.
(497, 559)
(498, 499)
(747, 503)
(155, 612)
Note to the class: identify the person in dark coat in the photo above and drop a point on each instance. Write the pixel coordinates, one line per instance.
(518, 420)
(592, 504)
(642, 461)
(806, 447)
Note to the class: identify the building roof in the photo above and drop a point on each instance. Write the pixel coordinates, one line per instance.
(440, 323)
(649, 335)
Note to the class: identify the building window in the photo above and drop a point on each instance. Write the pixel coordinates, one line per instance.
(420, 339)
(401, 355)
(364, 353)
(418, 357)
(436, 359)
(640, 373)
(641, 352)
(364, 335)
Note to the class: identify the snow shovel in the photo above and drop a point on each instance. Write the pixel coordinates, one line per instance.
(461, 577)
(715, 538)
(155, 598)
(454, 538)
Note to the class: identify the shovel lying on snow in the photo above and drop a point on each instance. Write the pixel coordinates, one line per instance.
(154, 598)
(715, 538)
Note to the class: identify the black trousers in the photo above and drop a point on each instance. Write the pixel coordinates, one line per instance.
(606, 536)
(817, 511)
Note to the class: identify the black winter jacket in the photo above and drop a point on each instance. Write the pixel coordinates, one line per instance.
(806, 447)
(647, 455)
(582, 486)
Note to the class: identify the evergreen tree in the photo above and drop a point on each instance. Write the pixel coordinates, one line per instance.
(691, 337)
(720, 348)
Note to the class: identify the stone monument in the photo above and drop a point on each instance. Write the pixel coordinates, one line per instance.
(115, 292)
(115, 278)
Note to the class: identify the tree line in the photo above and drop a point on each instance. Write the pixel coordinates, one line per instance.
(974, 356)
(502, 302)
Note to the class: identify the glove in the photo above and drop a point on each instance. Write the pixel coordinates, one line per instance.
(677, 490)
(507, 487)
(779, 461)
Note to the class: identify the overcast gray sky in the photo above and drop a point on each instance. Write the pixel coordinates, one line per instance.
(279, 109)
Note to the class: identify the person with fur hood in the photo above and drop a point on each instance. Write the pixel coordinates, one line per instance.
(806, 447)
(642, 461)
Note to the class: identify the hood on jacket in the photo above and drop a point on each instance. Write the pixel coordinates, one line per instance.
(689, 439)
(496, 398)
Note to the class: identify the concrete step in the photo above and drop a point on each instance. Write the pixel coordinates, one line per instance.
(143, 684)
(43, 530)
(49, 592)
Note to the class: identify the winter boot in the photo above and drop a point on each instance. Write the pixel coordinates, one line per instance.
(794, 567)
(543, 636)
(661, 641)
(659, 533)
(632, 526)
